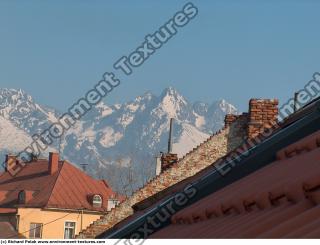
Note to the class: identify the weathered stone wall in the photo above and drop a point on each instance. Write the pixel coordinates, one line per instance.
(199, 158)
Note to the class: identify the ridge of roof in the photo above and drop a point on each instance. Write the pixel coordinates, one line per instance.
(55, 183)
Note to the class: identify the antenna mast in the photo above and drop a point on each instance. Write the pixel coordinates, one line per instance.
(170, 136)
(296, 101)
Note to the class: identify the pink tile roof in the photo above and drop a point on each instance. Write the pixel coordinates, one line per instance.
(280, 200)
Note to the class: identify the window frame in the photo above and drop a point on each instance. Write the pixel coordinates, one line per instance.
(33, 230)
(97, 204)
(64, 228)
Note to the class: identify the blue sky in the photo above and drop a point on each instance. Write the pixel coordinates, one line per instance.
(57, 50)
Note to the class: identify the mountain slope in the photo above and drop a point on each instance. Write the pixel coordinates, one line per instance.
(119, 142)
(12, 138)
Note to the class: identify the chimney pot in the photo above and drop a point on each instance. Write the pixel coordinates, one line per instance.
(158, 165)
(167, 160)
(229, 119)
(53, 163)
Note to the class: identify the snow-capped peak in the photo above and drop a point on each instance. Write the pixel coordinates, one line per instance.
(227, 107)
(172, 104)
(172, 93)
(20, 108)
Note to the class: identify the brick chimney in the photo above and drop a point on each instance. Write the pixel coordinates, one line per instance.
(263, 113)
(229, 119)
(11, 162)
(53, 163)
(167, 160)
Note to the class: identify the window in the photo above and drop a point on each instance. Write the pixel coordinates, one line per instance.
(69, 230)
(97, 201)
(35, 230)
(22, 197)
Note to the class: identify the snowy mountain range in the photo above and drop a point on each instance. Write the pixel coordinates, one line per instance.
(118, 142)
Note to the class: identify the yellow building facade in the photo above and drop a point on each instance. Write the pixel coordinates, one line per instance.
(37, 223)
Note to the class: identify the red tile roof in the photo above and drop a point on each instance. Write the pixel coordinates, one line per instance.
(280, 200)
(72, 187)
(68, 188)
